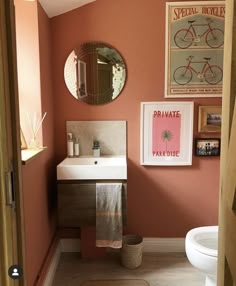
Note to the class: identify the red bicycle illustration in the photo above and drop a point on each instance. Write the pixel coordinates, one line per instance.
(212, 74)
(214, 37)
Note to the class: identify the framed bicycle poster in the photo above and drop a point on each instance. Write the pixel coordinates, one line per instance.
(166, 133)
(194, 49)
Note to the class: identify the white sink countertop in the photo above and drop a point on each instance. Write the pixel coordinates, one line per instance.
(93, 168)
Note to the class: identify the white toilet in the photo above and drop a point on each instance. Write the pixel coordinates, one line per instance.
(201, 245)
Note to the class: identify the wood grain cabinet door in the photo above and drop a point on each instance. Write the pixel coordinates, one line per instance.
(77, 204)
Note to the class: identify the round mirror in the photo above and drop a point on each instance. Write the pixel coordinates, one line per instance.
(95, 73)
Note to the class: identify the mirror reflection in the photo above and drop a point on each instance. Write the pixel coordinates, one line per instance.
(95, 73)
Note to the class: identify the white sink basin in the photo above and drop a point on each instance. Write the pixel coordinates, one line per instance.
(91, 168)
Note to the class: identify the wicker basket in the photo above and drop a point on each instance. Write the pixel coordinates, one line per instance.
(131, 251)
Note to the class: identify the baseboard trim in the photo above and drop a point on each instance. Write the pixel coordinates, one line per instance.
(149, 245)
(163, 245)
(53, 266)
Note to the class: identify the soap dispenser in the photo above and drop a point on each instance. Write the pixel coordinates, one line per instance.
(70, 145)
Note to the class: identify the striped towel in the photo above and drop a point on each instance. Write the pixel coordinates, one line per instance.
(109, 215)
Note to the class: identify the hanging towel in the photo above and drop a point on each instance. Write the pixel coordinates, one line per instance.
(109, 215)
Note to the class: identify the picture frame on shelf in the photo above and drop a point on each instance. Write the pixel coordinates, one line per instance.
(166, 133)
(209, 118)
(207, 147)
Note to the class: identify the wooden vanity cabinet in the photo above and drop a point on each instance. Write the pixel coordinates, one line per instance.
(76, 201)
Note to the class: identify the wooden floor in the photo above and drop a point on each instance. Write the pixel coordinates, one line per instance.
(157, 269)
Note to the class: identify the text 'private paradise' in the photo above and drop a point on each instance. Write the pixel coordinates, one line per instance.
(167, 114)
(165, 153)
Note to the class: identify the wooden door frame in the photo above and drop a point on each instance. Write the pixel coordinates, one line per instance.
(12, 242)
(228, 108)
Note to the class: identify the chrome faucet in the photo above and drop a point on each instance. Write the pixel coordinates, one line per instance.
(96, 148)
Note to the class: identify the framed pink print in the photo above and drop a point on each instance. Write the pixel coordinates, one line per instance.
(166, 133)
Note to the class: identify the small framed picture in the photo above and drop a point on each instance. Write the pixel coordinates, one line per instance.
(209, 119)
(207, 146)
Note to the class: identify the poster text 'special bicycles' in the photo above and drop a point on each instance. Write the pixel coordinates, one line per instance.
(212, 74)
(214, 37)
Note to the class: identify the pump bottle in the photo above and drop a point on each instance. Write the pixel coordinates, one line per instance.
(70, 145)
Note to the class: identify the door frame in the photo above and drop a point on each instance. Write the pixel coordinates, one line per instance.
(226, 272)
(11, 215)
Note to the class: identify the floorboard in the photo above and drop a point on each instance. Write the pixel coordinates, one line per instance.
(158, 269)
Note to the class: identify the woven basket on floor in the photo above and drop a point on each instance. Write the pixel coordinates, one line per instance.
(131, 251)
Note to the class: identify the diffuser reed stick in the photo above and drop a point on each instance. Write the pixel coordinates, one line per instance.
(35, 124)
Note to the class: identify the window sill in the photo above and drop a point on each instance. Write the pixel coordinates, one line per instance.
(28, 154)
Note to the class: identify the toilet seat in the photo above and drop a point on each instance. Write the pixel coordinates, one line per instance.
(204, 240)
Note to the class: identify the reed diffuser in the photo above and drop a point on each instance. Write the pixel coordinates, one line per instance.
(35, 123)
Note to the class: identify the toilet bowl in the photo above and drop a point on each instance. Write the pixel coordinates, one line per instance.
(201, 245)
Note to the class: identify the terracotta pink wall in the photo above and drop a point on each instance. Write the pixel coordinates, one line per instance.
(33, 33)
(162, 201)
